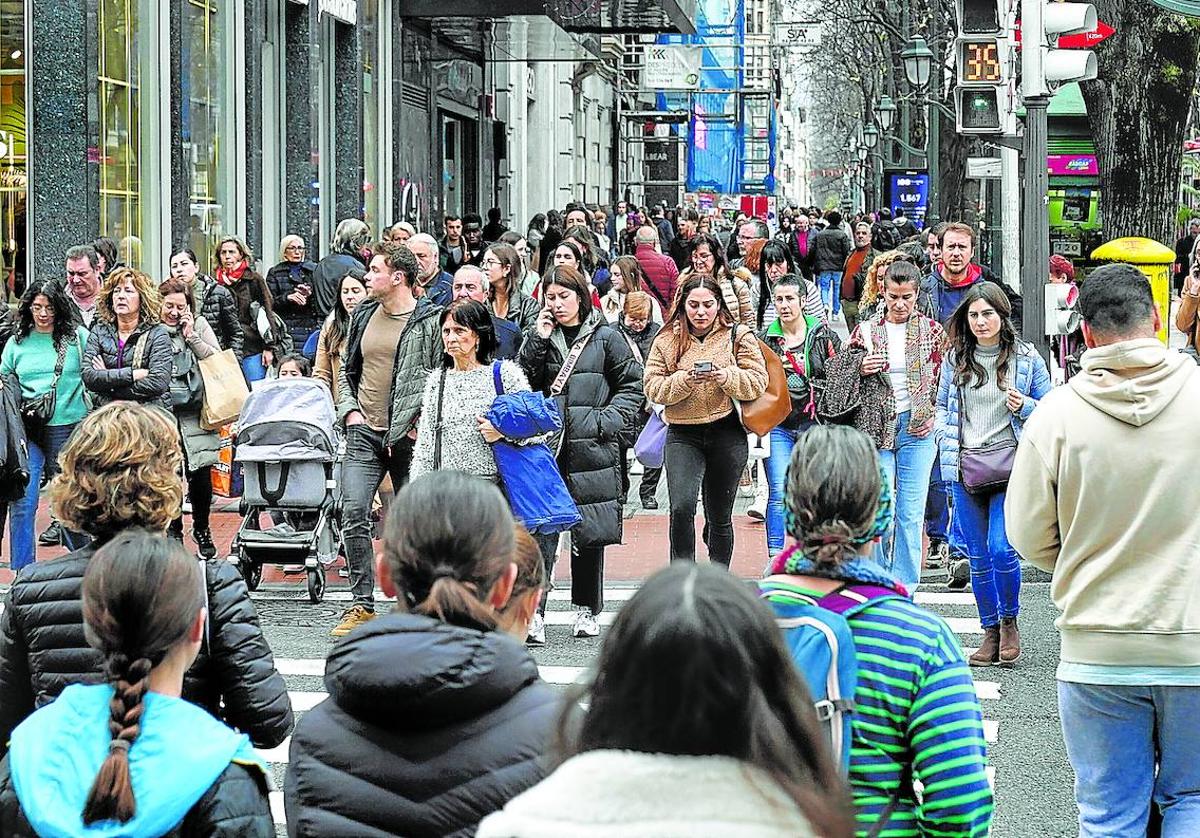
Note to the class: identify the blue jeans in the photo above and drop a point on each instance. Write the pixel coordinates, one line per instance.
(43, 458)
(977, 532)
(937, 506)
(252, 367)
(1115, 735)
(831, 296)
(783, 440)
(907, 467)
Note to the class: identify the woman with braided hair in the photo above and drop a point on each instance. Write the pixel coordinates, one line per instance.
(436, 715)
(130, 756)
(916, 715)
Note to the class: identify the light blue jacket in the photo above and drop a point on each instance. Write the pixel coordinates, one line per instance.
(1032, 379)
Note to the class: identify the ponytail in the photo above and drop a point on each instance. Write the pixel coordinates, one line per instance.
(452, 600)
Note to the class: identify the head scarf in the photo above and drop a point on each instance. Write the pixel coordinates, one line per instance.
(799, 556)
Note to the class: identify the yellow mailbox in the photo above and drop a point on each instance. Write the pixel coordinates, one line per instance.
(1151, 258)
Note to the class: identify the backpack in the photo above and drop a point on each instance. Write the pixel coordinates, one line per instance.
(885, 236)
(817, 634)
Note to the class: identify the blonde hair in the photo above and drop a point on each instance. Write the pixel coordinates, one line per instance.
(637, 305)
(873, 285)
(287, 240)
(242, 247)
(149, 300)
(120, 469)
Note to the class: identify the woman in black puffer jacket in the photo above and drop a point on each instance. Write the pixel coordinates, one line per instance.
(129, 355)
(598, 402)
(121, 470)
(435, 717)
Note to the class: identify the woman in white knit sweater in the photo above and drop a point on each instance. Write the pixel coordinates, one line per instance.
(459, 394)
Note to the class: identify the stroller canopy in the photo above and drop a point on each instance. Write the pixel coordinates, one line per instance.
(287, 419)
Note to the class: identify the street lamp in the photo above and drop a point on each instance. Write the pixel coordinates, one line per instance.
(885, 111)
(918, 59)
(870, 135)
(862, 153)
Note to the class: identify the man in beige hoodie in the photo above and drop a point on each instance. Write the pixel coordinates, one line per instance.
(1104, 496)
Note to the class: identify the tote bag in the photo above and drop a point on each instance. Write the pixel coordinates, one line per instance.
(651, 445)
(225, 390)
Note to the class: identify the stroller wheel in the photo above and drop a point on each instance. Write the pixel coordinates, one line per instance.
(251, 572)
(316, 583)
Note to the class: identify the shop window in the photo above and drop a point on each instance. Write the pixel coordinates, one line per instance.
(14, 181)
(118, 91)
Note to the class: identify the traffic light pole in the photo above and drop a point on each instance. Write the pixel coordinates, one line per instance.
(1035, 225)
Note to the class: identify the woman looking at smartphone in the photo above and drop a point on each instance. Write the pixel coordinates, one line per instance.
(699, 365)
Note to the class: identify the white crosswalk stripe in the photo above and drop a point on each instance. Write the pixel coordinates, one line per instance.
(560, 616)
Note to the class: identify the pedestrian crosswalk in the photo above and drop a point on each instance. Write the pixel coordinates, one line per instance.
(559, 660)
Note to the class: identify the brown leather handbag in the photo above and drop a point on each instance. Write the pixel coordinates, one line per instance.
(762, 415)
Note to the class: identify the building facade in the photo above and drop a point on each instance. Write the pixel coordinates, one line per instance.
(169, 125)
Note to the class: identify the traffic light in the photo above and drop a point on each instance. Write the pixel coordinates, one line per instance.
(983, 55)
(1044, 66)
(1062, 318)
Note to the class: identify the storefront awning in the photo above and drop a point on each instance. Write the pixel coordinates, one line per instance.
(584, 16)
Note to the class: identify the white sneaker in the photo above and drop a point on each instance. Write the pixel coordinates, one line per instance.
(537, 630)
(758, 509)
(585, 623)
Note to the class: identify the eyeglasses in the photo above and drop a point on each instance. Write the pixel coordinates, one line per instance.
(296, 247)
(490, 263)
(38, 308)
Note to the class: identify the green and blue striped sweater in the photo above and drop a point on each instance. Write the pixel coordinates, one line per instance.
(916, 705)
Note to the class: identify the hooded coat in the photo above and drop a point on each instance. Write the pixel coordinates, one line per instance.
(43, 650)
(192, 777)
(428, 728)
(601, 398)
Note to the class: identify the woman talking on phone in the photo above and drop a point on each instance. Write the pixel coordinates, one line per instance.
(699, 365)
(573, 355)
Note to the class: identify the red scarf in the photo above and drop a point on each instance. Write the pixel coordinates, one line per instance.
(974, 272)
(228, 278)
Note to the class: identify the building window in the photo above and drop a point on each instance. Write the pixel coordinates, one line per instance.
(208, 127)
(119, 98)
(14, 180)
(374, 213)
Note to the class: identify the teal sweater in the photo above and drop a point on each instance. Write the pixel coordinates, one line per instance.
(32, 360)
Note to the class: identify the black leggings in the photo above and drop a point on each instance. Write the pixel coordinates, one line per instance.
(711, 457)
(200, 493)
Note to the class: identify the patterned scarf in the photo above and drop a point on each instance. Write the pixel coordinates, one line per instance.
(924, 341)
(231, 276)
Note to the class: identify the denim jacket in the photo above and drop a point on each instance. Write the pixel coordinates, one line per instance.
(1032, 378)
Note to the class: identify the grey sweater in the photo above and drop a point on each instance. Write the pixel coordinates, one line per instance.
(985, 417)
(467, 396)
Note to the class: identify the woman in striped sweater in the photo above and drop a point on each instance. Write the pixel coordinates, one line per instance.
(916, 717)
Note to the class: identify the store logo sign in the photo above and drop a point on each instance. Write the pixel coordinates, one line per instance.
(344, 10)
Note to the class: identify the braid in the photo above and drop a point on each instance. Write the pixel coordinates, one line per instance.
(111, 796)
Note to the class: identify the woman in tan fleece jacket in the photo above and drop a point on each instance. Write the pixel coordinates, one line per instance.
(700, 363)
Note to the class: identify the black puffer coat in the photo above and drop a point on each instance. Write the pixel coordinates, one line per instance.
(282, 280)
(428, 728)
(43, 650)
(601, 398)
(215, 304)
(115, 382)
(235, 806)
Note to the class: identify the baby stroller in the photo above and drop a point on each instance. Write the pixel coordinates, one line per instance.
(286, 444)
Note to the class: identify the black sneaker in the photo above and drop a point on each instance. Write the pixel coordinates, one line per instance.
(649, 503)
(938, 551)
(204, 543)
(51, 536)
(959, 573)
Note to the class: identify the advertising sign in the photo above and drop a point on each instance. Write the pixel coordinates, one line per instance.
(1080, 165)
(909, 189)
(672, 67)
(661, 167)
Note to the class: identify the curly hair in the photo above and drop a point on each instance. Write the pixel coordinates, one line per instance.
(149, 300)
(873, 285)
(120, 469)
(66, 317)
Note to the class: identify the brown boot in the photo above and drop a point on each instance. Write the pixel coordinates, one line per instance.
(1010, 641)
(988, 652)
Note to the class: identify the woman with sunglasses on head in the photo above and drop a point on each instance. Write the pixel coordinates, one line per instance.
(708, 260)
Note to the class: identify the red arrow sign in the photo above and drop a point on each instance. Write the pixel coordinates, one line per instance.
(1085, 41)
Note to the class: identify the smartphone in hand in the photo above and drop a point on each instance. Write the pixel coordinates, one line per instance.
(702, 367)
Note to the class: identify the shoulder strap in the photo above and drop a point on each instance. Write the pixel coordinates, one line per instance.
(497, 381)
(59, 361)
(849, 599)
(560, 380)
(633, 347)
(139, 349)
(437, 426)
